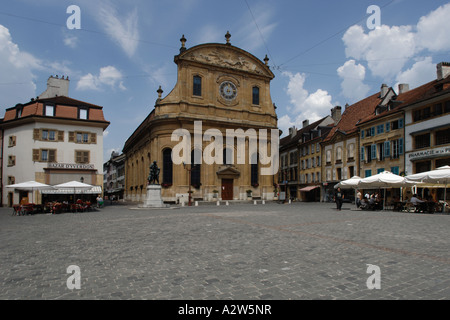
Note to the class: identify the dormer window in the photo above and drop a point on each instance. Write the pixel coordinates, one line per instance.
(83, 114)
(49, 110)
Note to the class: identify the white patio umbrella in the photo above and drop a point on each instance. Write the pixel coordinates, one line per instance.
(385, 180)
(30, 186)
(77, 187)
(439, 176)
(351, 183)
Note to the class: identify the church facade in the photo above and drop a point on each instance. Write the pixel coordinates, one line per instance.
(214, 134)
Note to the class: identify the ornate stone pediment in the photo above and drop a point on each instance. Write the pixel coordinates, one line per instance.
(227, 57)
(228, 172)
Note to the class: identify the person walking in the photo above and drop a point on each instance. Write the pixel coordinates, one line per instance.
(358, 198)
(338, 198)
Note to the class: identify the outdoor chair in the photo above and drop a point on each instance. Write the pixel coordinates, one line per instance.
(17, 210)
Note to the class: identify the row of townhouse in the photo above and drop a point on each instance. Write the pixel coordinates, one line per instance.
(404, 132)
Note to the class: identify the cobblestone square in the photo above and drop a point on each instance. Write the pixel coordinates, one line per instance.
(301, 251)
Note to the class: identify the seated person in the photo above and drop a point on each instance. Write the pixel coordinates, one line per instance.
(415, 200)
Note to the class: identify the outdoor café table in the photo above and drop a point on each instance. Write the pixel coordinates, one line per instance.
(431, 206)
(399, 205)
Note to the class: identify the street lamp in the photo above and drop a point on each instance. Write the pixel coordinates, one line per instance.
(189, 173)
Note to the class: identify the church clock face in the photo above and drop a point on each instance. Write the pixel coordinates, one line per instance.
(228, 90)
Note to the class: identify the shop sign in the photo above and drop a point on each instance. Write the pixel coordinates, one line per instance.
(430, 153)
(74, 166)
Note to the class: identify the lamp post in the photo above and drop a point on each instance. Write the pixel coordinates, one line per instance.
(189, 173)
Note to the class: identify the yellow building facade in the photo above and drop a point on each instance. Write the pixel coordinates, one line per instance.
(207, 134)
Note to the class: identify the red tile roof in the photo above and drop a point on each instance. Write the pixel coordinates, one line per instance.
(354, 114)
(424, 92)
(66, 108)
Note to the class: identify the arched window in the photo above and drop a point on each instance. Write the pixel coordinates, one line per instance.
(254, 170)
(197, 86)
(195, 169)
(255, 96)
(167, 167)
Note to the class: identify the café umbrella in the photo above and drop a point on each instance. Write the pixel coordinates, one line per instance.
(385, 180)
(439, 176)
(30, 186)
(75, 186)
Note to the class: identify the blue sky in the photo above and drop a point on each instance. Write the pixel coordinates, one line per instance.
(321, 52)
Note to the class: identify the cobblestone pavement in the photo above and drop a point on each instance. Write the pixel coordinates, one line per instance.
(242, 251)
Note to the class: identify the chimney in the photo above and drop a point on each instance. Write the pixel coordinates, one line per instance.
(292, 132)
(403, 87)
(384, 90)
(305, 123)
(443, 70)
(56, 87)
(336, 114)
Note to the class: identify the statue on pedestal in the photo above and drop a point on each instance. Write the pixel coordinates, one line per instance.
(153, 177)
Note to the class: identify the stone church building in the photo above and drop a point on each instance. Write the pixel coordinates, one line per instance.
(220, 88)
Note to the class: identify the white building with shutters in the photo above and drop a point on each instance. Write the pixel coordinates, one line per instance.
(52, 139)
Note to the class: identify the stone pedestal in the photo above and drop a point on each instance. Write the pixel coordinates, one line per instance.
(154, 199)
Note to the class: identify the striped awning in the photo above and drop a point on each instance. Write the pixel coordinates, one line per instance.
(93, 190)
(306, 189)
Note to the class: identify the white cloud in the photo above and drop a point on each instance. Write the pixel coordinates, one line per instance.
(305, 106)
(16, 76)
(386, 49)
(108, 76)
(71, 41)
(285, 122)
(421, 72)
(432, 30)
(309, 106)
(353, 75)
(123, 30)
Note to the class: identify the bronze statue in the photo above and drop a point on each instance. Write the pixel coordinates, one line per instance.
(153, 177)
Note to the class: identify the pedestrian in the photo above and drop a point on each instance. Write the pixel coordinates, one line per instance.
(338, 198)
(358, 198)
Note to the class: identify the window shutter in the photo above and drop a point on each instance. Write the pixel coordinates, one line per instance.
(51, 155)
(77, 156)
(372, 131)
(36, 153)
(400, 123)
(388, 127)
(86, 157)
(93, 138)
(61, 136)
(374, 151)
(387, 149)
(400, 146)
(37, 134)
(362, 134)
(71, 136)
